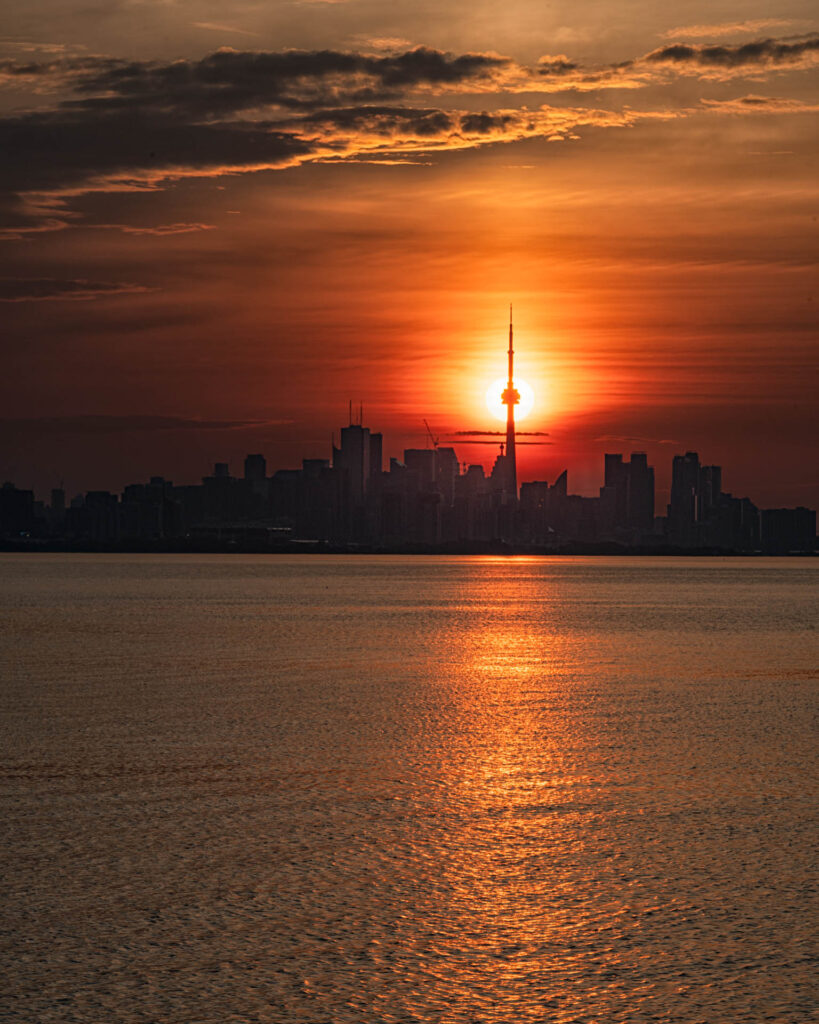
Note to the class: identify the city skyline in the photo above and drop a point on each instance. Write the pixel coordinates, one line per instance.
(492, 441)
(428, 501)
(219, 225)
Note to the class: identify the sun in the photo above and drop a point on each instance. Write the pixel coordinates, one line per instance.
(496, 406)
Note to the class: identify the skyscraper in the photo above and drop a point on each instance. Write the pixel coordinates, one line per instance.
(682, 509)
(255, 468)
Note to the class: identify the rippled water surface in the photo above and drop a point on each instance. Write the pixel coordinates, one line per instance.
(325, 789)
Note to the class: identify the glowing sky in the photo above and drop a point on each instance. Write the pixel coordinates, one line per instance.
(222, 221)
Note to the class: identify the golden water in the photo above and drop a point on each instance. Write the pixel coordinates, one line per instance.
(321, 789)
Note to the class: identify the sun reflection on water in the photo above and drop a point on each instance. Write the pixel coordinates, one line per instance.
(500, 865)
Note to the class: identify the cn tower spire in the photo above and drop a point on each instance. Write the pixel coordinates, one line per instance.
(511, 350)
(510, 398)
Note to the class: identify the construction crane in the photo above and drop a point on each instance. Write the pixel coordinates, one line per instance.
(432, 437)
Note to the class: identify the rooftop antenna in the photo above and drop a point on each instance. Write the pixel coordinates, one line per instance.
(361, 413)
(351, 412)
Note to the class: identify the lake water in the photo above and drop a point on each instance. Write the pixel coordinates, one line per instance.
(321, 789)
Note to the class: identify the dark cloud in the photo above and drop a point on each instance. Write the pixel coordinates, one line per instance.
(42, 289)
(483, 123)
(56, 149)
(556, 66)
(60, 154)
(135, 125)
(714, 62)
(58, 68)
(381, 120)
(229, 81)
(761, 53)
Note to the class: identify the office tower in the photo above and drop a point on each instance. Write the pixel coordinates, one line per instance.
(640, 494)
(255, 468)
(352, 460)
(447, 471)
(682, 509)
(616, 480)
(376, 454)
(421, 464)
(709, 489)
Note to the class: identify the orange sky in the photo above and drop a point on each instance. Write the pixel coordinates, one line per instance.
(208, 253)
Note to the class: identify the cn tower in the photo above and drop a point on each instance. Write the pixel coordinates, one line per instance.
(510, 398)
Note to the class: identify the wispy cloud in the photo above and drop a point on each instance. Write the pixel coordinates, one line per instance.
(213, 26)
(160, 229)
(43, 289)
(720, 62)
(389, 43)
(465, 440)
(92, 424)
(630, 439)
(726, 28)
(760, 105)
(230, 82)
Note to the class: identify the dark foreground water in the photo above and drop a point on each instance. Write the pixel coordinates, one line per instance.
(424, 789)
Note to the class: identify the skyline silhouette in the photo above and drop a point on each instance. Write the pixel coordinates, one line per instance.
(429, 501)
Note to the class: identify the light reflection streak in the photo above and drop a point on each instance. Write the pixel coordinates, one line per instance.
(501, 867)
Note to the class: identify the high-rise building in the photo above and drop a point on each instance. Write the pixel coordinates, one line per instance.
(640, 494)
(255, 468)
(447, 470)
(57, 502)
(376, 454)
(682, 509)
(352, 470)
(788, 529)
(708, 491)
(352, 460)
(616, 481)
(421, 464)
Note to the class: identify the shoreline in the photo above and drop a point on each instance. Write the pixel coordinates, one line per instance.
(307, 547)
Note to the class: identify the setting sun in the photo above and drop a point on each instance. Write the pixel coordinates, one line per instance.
(496, 406)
